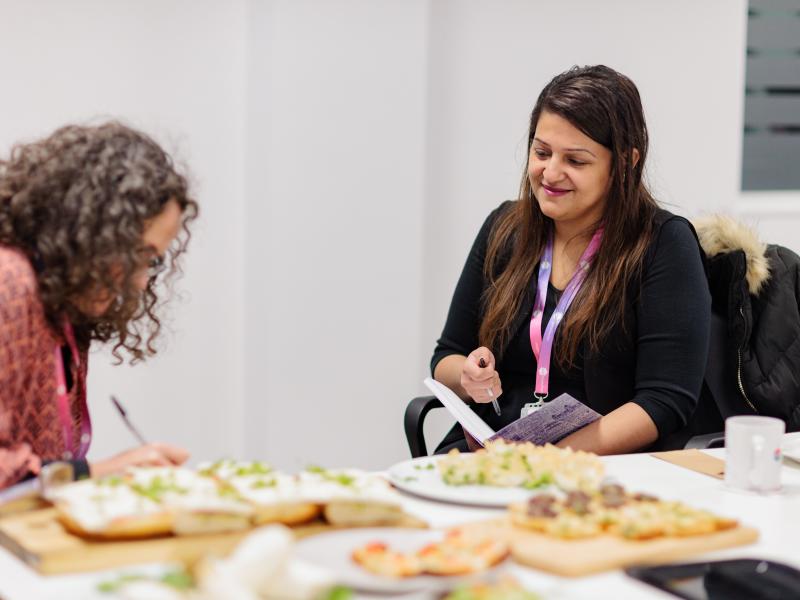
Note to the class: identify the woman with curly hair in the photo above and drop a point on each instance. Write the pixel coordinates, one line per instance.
(89, 217)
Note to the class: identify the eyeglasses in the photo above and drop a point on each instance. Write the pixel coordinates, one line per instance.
(155, 265)
(151, 261)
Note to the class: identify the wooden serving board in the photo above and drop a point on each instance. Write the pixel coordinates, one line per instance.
(575, 558)
(38, 539)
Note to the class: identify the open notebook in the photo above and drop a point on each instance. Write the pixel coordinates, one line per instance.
(554, 421)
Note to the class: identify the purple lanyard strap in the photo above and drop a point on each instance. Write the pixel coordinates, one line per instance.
(62, 401)
(543, 344)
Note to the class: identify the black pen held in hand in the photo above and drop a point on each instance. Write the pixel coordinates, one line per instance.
(482, 365)
(127, 422)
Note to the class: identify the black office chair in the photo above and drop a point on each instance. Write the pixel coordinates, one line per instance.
(414, 419)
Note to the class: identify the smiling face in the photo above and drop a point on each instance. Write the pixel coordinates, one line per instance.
(569, 173)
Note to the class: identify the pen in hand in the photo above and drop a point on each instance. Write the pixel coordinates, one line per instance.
(127, 421)
(482, 365)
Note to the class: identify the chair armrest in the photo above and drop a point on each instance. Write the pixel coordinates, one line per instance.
(707, 440)
(416, 411)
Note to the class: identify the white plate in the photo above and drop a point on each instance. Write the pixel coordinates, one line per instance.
(420, 476)
(333, 551)
(790, 445)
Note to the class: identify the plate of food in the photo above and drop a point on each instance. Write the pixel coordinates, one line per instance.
(498, 475)
(612, 510)
(225, 496)
(391, 560)
(614, 528)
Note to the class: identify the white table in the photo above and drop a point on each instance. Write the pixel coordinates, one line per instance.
(776, 516)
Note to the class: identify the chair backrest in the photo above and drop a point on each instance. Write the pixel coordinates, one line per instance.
(414, 422)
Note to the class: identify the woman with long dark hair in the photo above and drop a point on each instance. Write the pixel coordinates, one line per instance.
(89, 217)
(583, 285)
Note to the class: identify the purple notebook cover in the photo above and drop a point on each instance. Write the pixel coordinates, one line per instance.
(554, 421)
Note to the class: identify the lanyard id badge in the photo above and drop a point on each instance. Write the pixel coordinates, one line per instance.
(531, 407)
(542, 344)
(62, 402)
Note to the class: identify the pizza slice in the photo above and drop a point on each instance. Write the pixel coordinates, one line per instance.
(460, 553)
(377, 558)
(611, 509)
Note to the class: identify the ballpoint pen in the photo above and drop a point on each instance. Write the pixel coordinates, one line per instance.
(482, 365)
(127, 422)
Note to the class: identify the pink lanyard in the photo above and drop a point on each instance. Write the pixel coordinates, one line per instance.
(543, 345)
(62, 401)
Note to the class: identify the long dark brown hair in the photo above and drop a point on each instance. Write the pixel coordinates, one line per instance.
(76, 204)
(605, 105)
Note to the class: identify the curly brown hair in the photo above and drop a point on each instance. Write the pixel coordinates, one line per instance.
(77, 204)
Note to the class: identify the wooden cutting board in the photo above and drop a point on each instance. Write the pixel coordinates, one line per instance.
(38, 539)
(575, 558)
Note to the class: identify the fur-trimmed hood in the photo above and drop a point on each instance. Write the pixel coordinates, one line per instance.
(720, 234)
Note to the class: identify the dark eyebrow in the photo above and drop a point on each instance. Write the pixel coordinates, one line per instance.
(536, 139)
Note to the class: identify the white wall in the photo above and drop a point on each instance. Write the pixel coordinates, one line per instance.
(336, 127)
(346, 152)
(175, 69)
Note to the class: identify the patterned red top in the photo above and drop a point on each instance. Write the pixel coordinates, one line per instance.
(30, 428)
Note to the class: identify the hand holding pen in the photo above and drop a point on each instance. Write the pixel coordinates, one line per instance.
(146, 454)
(479, 378)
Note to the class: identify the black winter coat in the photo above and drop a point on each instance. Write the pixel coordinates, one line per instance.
(754, 363)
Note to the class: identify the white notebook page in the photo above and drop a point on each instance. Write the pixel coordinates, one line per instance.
(474, 425)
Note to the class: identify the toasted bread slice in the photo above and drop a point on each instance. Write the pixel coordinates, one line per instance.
(362, 513)
(287, 513)
(133, 527)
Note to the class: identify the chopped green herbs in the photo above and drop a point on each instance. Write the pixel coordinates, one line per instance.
(157, 487)
(214, 468)
(263, 483)
(179, 580)
(114, 585)
(226, 490)
(544, 479)
(111, 481)
(338, 593)
(485, 591)
(340, 478)
(254, 468)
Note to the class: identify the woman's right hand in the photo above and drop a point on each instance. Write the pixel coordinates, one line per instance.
(149, 455)
(482, 383)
